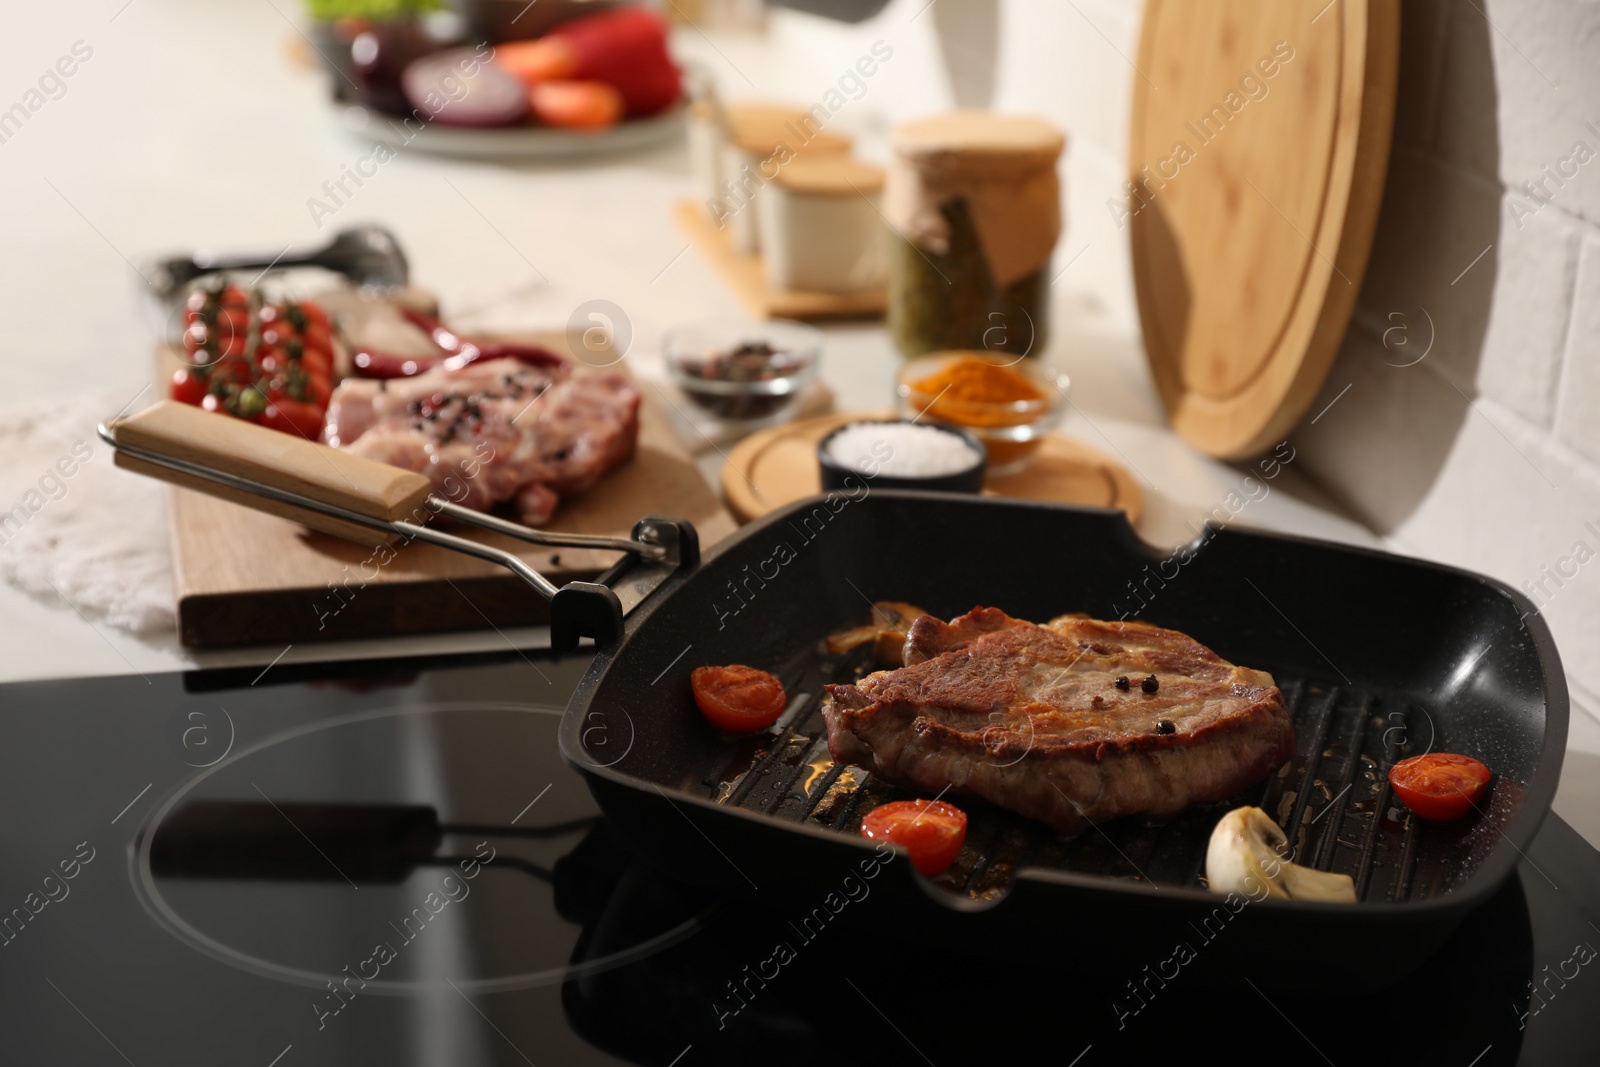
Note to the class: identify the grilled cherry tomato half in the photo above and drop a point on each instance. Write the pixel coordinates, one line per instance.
(930, 830)
(738, 699)
(1441, 786)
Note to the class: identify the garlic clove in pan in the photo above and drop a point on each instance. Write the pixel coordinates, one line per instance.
(1244, 857)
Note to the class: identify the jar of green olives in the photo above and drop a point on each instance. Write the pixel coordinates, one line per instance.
(974, 206)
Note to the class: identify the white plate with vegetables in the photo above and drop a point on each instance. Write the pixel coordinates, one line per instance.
(599, 83)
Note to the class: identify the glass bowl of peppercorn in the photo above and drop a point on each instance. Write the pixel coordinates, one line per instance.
(746, 374)
(1007, 402)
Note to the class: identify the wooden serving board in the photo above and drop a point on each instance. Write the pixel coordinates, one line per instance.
(775, 467)
(245, 578)
(748, 279)
(1259, 145)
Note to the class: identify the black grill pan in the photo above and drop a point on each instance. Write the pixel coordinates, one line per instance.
(1380, 658)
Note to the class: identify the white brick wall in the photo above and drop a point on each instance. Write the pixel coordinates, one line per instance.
(1577, 422)
(1072, 63)
(1486, 453)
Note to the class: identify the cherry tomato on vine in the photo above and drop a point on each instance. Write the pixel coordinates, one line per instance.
(317, 336)
(266, 363)
(188, 387)
(293, 417)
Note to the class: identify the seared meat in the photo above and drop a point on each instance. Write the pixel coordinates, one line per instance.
(493, 431)
(1032, 718)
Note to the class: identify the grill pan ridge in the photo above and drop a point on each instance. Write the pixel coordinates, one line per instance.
(1379, 658)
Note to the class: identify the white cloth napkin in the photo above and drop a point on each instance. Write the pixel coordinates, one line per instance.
(73, 527)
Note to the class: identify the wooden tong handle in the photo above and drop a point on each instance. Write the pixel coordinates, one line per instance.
(283, 461)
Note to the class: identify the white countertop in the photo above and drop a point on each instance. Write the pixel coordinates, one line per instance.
(110, 176)
(193, 125)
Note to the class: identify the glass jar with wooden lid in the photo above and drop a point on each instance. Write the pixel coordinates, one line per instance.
(974, 203)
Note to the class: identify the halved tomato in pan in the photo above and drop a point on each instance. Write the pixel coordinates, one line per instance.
(930, 830)
(737, 698)
(1440, 786)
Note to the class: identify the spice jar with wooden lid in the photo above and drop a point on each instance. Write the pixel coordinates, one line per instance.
(708, 140)
(763, 141)
(974, 205)
(712, 126)
(820, 225)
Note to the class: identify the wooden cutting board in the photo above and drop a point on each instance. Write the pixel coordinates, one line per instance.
(1259, 144)
(775, 467)
(246, 578)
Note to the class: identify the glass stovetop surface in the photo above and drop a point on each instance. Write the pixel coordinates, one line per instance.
(389, 863)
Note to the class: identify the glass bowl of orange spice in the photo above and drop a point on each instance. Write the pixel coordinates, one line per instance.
(1007, 402)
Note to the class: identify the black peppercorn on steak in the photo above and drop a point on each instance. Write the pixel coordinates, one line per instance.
(1072, 723)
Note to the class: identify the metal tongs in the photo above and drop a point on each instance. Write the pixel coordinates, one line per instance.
(352, 497)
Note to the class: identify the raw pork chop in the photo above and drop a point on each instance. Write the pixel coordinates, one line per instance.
(492, 431)
(1031, 718)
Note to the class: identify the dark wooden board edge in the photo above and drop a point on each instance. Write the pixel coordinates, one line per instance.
(279, 616)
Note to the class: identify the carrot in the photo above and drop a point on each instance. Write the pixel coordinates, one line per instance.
(581, 105)
(532, 62)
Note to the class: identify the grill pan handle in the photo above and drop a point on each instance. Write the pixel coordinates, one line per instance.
(361, 500)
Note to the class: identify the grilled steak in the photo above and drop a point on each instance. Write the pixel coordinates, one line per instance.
(494, 431)
(1033, 718)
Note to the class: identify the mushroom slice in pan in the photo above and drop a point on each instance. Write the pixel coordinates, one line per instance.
(1245, 857)
(890, 621)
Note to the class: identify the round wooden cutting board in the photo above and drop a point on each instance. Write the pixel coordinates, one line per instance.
(1259, 143)
(774, 467)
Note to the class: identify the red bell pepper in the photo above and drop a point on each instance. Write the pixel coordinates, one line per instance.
(625, 48)
(455, 352)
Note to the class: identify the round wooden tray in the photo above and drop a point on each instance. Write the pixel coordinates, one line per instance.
(1259, 143)
(774, 467)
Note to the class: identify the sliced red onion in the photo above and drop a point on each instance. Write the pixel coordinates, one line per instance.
(462, 87)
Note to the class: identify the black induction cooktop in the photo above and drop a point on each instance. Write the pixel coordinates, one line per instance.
(388, 863)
